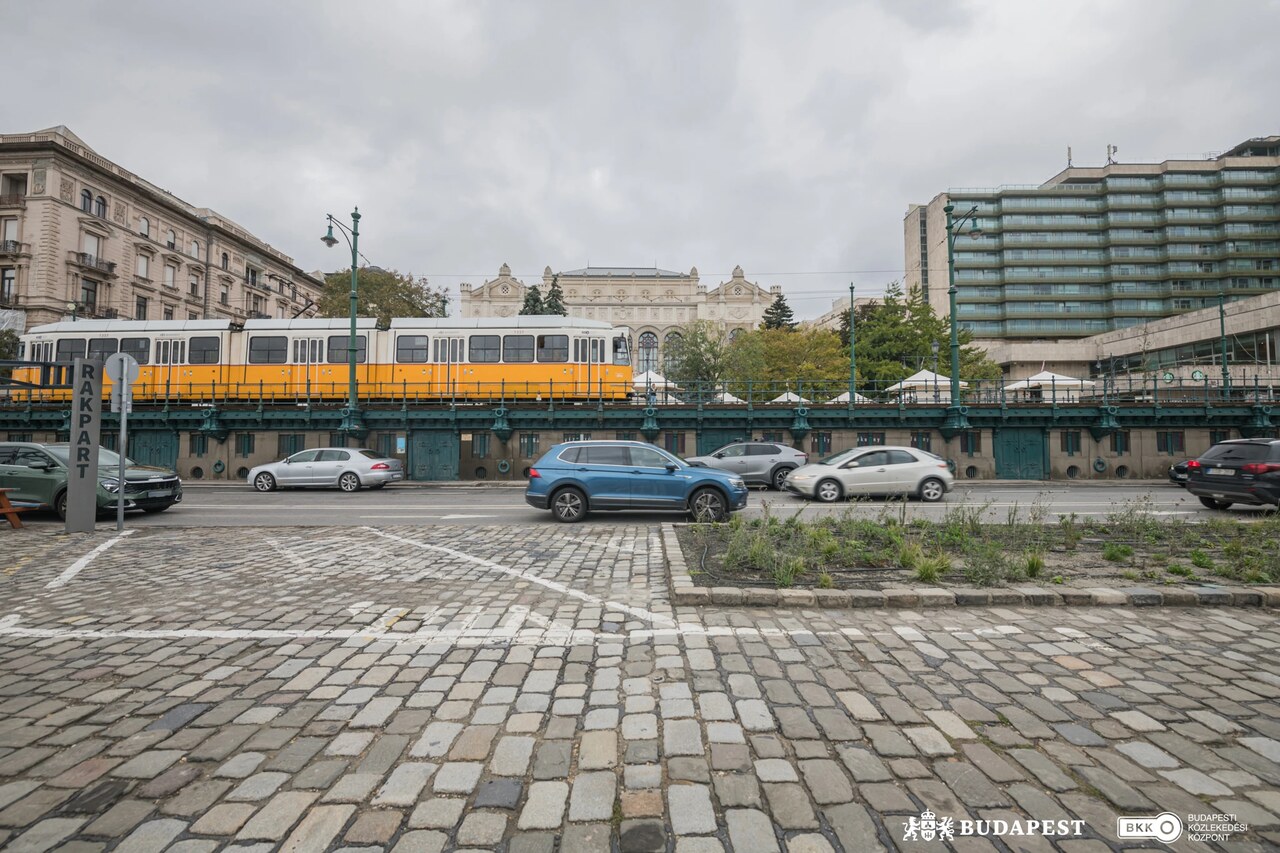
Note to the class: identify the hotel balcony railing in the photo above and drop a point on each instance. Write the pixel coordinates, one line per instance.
(93, 262)
(13, 200)
(13, 247)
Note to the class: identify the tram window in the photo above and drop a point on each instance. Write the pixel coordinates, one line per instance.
(412, 349)
(179, 352)
(139, 348)
(620, 353)
(102, 347)
(553, 348)
(268, 349)
(447, 350)
(69, 348)
(578, 351)
(339, 352)
(204, 350)
(517, 349)
(597, 351)
(299, 352)
(162, 352)
(483, 349)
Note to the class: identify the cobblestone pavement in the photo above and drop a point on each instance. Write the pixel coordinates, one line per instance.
(522, 690)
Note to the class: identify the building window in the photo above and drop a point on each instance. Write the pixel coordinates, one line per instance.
(922, 441)
(870, 439)
(193, 285)
(290, 443)
(191, 315)
(577, 436)
(195, 249)
(140, 308)
(624, 436)
(92, 246)
(199, 444)
(170, 275)
(337, 439)
(144, 227)
(480, 445)
(168, 312)
(226, 262)
(528, 445)
(1069, 441)
(8, 284)
(647, 360)
(224, 295)
(171, 239)
(244, 444)
(88, 295)
(1120, 442)
(1171, 442)
(1217, 436)
(820, 443)
(143, 268)
(673, 442)
(86, 201)
(250, 276)
(100, 207)
(971, 442)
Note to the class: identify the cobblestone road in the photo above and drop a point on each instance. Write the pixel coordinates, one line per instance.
(532, 690)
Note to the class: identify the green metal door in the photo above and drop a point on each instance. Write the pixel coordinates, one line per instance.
(433, 455)
(714, 439)
(154, 447)
(1021, 454)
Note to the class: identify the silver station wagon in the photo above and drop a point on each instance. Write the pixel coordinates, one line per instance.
(346, 468)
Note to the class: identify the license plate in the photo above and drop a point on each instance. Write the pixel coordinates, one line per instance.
(396, 476)
(160, 493)
(1222, 472)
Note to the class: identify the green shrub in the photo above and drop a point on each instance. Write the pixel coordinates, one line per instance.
(1179, 569)
(1059, 579)
(1129, 575)
(910, 554)
(930, 568)
(1201, 560)
(1071, 533)
(1035, 564)
(825, 581)
(985, 564)
(787, 570)
(1116, 552)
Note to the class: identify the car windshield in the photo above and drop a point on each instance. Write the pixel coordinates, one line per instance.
(838, 458)
(106, 457)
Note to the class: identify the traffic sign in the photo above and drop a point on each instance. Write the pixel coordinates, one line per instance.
(122, 367)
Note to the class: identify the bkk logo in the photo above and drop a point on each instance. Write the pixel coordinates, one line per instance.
(930, 827)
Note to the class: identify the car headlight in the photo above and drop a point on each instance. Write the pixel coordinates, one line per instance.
(800, 478)
(738, 482)
(111, 485)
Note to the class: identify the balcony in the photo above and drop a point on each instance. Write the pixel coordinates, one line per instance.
(8, 299)
(18, 200)
(13, 247)
(93, 263)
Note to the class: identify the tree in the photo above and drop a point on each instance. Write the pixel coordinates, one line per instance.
(779, 315)
(532, 301)
(773, 358)
(554, 303)
(8, 349)
(382, 294)
(695, 354)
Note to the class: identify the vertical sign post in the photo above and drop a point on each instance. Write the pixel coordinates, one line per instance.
(86, 425)
(122, 369)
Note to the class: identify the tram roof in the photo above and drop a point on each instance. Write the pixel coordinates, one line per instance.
(99, 327)
(310, 323)
(528, 321)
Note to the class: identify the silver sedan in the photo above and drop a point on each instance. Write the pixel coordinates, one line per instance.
(348, 469)
(873, 471)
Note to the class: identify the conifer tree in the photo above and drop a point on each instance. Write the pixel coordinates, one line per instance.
(554, 303)
(532, 301)
(779, 315)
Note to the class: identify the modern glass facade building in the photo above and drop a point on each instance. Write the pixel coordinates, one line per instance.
(1097, 249)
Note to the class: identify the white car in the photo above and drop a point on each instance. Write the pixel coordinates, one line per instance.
(346, 468)
(873, 471)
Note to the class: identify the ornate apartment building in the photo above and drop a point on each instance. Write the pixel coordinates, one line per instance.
(652, 303)
(82, 237)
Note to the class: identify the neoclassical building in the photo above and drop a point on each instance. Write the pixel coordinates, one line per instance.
(652, 303)
(82, 237)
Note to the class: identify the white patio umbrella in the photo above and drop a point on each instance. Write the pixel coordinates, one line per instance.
(925, 379)
(844, 398)
(1049, 379)
(789, 397)
(650, 379)
(726, 397)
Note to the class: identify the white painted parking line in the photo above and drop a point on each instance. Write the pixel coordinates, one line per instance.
(638, 612)
(78, 566)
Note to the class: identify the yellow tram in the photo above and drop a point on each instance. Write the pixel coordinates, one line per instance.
(452, 359)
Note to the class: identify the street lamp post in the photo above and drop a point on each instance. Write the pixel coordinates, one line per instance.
(933, 346)
(73, 307)
(852, 357)
(956, 420)
(1222, 330)
(354, 241)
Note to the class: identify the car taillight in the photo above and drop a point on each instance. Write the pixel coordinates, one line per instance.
(533, 474)
(1260, 467)
(804, 457)
(380, 466)
(1194, 463)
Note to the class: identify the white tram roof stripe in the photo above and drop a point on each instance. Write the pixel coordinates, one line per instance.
(310, 324)
(99, 327)
(527, 321)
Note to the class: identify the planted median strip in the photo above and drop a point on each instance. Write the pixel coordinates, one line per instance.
(1130, 557)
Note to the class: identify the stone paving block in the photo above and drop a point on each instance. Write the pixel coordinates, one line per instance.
(152, 837)
(438, 813)
(592, 796)
(544, 807)
(404, 784)
(224, 819)
(319, 829)
(751, 829)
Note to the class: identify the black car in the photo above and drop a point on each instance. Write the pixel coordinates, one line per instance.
(1178, 473)
(1244, 470)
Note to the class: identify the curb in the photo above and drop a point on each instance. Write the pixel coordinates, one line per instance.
(684, 592)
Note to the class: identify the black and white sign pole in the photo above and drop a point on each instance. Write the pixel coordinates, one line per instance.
(86, 424)
(122, 369)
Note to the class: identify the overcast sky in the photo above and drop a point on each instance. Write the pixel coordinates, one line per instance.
(786, 137)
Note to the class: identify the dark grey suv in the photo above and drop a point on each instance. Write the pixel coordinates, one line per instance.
(761, 462)
(1243, 470)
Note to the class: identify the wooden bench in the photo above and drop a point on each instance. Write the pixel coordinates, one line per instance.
(9, 511)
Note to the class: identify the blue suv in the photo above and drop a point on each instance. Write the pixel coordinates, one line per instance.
(573, 478)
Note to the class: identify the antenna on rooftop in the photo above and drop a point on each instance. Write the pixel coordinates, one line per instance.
(1068, 156)
(1111, 154)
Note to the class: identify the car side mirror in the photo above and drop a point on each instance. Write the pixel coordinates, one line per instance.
(672, 467)
(717, 455)
(288, 461)
(39, 465)
(849, 465)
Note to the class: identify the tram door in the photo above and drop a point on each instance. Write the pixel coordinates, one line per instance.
(308, 355)
(448, 355)
(170, 355)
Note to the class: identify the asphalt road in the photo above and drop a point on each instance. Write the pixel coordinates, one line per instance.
(207, 505)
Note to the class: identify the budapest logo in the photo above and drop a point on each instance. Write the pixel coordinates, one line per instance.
(928, 826)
